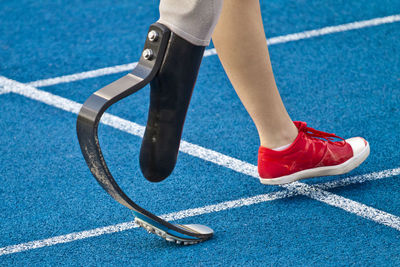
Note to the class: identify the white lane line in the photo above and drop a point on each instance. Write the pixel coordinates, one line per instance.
(334, 29)
(195, 212)
(83, 75)
(271, 41)
(130, 225)
(66, 238)
(210, 155)
(3, 91)
(127, 126)
(39, 95)
(210, 52)
(359, 179)
(313, 192)
(219, 159)
(346, 204)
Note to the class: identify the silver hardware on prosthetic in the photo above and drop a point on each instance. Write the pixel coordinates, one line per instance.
(148, 69)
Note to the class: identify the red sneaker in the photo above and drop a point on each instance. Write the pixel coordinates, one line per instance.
(309, 156)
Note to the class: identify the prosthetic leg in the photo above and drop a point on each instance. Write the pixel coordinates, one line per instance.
(171, 90)
(170, 64)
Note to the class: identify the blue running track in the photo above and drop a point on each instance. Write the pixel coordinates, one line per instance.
(52, 211)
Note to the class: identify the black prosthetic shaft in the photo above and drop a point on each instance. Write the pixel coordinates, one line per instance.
(148, 67)
(170, 95)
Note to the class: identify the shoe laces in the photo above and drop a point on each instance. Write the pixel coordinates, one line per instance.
(329, 137)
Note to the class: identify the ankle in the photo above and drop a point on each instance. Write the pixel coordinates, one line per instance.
(279, 138)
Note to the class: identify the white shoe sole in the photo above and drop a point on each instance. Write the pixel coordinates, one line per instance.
(345, 167)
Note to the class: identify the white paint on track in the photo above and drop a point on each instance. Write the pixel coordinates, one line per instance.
(205, 210)
(334, 29)
(67, 238)
(84, 75)
(346, 204)
(68, 105)
(3, 91)
(209, 52)
(360, 179)
(130, 225)
(219, 159)
(39, 95)
(313, 192)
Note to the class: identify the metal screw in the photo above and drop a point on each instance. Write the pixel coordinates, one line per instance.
(148, 54)
(153, 36)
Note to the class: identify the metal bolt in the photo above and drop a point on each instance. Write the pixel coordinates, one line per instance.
(153, 36)
(148, 54)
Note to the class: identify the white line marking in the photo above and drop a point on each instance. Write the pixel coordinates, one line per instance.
(3, 91)
(68, 105)
(194, 212)
(130, 225)
(210, 52)
(83, 75)
(271, 41)
(66, 238)
(359, 179)
(334, 29)
(208, 155)
(219, 159)
(346, 204)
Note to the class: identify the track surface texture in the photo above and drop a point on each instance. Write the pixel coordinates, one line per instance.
(343, 79)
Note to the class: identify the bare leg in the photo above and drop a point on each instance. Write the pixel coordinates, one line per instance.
(242, 48)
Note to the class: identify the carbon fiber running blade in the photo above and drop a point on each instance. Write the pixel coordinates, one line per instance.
(87, 128)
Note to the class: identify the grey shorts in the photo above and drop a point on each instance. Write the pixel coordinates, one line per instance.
(193, 20)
